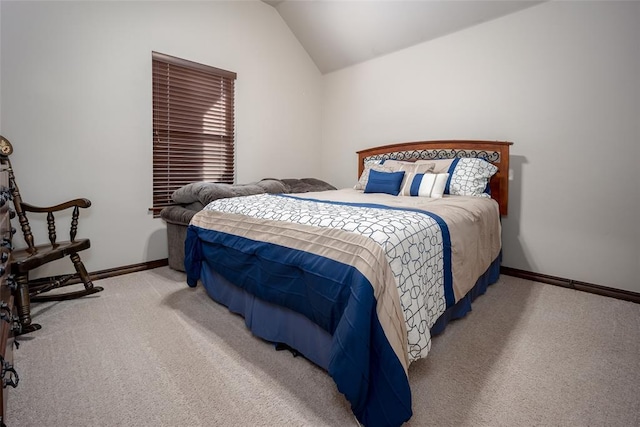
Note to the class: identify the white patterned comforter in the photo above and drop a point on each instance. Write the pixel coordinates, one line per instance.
(413, 241)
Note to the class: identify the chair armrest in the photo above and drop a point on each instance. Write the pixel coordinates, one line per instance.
(81, 203)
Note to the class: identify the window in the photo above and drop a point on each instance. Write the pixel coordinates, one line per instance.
(193, 126)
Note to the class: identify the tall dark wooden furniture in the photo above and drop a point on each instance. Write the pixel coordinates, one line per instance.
(25, 260)
(9, 324)
(9, 327)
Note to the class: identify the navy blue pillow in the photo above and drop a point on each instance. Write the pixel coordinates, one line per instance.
(384, 182)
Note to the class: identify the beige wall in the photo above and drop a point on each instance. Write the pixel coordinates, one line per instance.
(561, 81)
(558, 79)
(76, 103)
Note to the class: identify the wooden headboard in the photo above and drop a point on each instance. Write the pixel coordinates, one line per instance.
(495, 152)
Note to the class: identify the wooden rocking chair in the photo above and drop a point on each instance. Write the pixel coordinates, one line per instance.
(23, 261)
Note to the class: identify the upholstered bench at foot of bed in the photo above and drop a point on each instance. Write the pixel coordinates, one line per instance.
(177, 219)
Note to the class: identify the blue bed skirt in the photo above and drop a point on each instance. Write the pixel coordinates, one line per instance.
(281, 325)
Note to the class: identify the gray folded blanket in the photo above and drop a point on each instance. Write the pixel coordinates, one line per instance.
(197, 195)
(306, 185)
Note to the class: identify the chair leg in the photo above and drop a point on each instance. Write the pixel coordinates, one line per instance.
(89, 289)
(82, 271)
(23, 304)
(22, 299)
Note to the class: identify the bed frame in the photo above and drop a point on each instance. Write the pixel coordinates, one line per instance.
(495, 152)
(295, 331)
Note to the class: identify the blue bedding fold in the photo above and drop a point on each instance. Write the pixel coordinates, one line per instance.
(280, 325)
(340, 300)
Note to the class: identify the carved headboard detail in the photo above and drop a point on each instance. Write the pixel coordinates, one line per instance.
(495, 152)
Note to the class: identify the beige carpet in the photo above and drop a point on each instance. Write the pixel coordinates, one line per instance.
(149, 351)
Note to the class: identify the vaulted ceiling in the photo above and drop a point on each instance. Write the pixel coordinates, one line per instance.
(340, 33)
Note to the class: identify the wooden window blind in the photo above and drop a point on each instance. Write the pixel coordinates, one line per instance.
(193, 126)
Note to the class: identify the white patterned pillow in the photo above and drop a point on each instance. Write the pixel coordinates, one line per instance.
(470, 177)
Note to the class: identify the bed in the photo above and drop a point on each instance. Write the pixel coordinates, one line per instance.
(359, 279)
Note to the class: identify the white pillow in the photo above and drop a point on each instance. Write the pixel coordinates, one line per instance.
(410, 170)
(429, 185)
